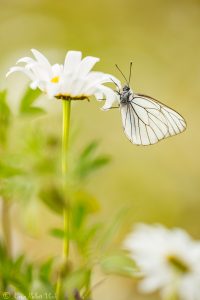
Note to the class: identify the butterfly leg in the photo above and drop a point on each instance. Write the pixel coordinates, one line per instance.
(114, 107)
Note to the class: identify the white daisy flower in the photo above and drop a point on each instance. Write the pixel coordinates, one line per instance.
(73, 80)
(168, 259)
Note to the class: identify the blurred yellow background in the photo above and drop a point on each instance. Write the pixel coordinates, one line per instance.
(159, 183)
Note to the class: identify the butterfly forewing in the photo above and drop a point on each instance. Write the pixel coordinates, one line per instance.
(147, 121)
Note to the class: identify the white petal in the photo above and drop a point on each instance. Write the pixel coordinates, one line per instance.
(110, 95)
(78, 87)
(34, 84)
(39, 72)
(66, 84)
(41, 58)
(99, 96)
(86, 65)
(26, 60)
(72, 61)
(18, 69)
(57, 70)
(95, 79)
(150, 284)
(52, 89)
(100, 78)
(112, 79)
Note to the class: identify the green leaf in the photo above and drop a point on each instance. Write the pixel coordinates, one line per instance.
(29, 273)
(91, 232)
(111, 230)
(89, 161)
(119, 264)
(17, 187)
(4, 108)
(83, 204)
(20, 285)
(8, 170)
(27, 101)
(53, 198)
(57, 232)
(77, 280)
(100, 161)
(45, 270)
(5, 115)
(89, 149)
(15, 273)
(85, 237)
(19, 262)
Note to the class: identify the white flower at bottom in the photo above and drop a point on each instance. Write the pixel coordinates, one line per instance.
(73, 80)
(168, 259)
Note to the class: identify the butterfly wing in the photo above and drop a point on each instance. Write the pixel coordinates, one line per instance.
(147, 121)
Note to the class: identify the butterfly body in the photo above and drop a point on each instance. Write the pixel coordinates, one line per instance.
(125, 95)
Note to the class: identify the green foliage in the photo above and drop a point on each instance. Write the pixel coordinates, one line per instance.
(76, 280)
(89, 161)
(81, 233)
(7, 169)
(53, 197)
(80, 167)
(30, 170)
(13, 168)
(45, 276)
(119, 263)
(57, 232)
(111, 230)
(83, 204)
(16, 188)
(22, 278)
(27, 101)
(15, 274)
(5, 117)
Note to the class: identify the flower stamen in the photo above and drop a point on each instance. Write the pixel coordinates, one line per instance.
(178, 264)
(55, 79)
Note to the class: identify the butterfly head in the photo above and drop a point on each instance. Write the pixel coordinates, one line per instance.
(126, 88)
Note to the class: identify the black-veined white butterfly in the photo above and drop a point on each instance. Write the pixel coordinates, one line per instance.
(146, 121)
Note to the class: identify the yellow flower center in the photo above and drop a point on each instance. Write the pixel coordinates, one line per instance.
(178, 264)
(55, 79)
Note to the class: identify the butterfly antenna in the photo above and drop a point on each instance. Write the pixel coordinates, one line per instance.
(121, 73)
(130, 71)
(115, 84)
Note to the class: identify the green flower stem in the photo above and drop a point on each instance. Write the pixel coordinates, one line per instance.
(6, 226)
(66, 105)
(65, 142)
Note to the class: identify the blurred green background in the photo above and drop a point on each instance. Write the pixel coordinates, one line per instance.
(158, 183)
